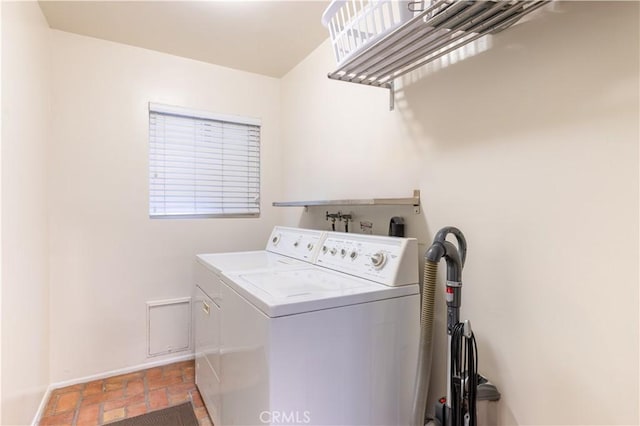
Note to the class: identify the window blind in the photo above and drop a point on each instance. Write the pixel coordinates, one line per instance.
(202, 164)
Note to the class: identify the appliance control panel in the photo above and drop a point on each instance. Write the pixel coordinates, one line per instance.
(301, 244)
(387, 260)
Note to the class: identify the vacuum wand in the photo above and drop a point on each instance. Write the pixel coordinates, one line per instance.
(455, 257)
(460, 408)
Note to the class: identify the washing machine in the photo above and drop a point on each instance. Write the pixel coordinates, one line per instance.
(331, 343)
(287, 248)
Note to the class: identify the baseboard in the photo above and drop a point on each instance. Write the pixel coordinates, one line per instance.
(42, 406)
(104, 375)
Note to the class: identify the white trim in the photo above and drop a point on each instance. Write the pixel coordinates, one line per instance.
(41, 407)
(188, 112)
(174, 301)
(104, 375)
(125, 370)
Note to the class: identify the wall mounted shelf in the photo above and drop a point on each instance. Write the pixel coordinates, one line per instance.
(408, 201)
(444, 26)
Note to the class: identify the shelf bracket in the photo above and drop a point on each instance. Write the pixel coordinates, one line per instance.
(392, 96)
(416, 203)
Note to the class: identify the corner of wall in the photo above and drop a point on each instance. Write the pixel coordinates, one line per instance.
(24, 289)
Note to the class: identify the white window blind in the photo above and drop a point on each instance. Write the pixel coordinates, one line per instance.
(202, 164)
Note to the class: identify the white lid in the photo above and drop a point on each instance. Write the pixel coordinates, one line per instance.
(288, 292)
(246, 261)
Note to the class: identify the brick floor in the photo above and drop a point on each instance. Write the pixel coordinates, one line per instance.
(128, 395)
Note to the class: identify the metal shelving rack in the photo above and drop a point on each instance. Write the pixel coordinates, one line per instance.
(408, 201)
(441, 28)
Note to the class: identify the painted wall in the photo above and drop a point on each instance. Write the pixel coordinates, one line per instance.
(107, 257)
(0, 217)
(26, 124)
(530, 146)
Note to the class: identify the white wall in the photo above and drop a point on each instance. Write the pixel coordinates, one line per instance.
(26, 55)
(107, 257)
(531, 148)
(0, 216)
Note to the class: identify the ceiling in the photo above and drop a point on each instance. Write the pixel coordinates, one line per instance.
(264, 37)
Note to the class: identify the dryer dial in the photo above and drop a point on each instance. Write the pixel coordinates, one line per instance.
(378, 259)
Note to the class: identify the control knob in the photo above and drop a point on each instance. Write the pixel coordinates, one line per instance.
(310, 246)
(275, 240)
(378, 259)
(334, 251)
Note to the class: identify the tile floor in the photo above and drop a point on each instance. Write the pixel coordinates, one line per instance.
(128, 395)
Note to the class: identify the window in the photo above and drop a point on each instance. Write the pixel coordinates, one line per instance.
(202, 164)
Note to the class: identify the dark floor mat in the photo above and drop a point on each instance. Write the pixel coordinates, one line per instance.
(180, 415)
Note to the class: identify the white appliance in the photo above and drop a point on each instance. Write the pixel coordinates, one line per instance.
(287, 248)
(334, 343)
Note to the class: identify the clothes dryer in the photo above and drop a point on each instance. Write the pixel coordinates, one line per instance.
(287, 248)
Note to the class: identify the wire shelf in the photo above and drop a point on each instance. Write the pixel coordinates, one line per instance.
(444, 26)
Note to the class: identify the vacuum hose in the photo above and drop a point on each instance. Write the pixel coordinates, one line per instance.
(425, 349)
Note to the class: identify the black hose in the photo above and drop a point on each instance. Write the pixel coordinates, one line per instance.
(472, 351)
(456, 375)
